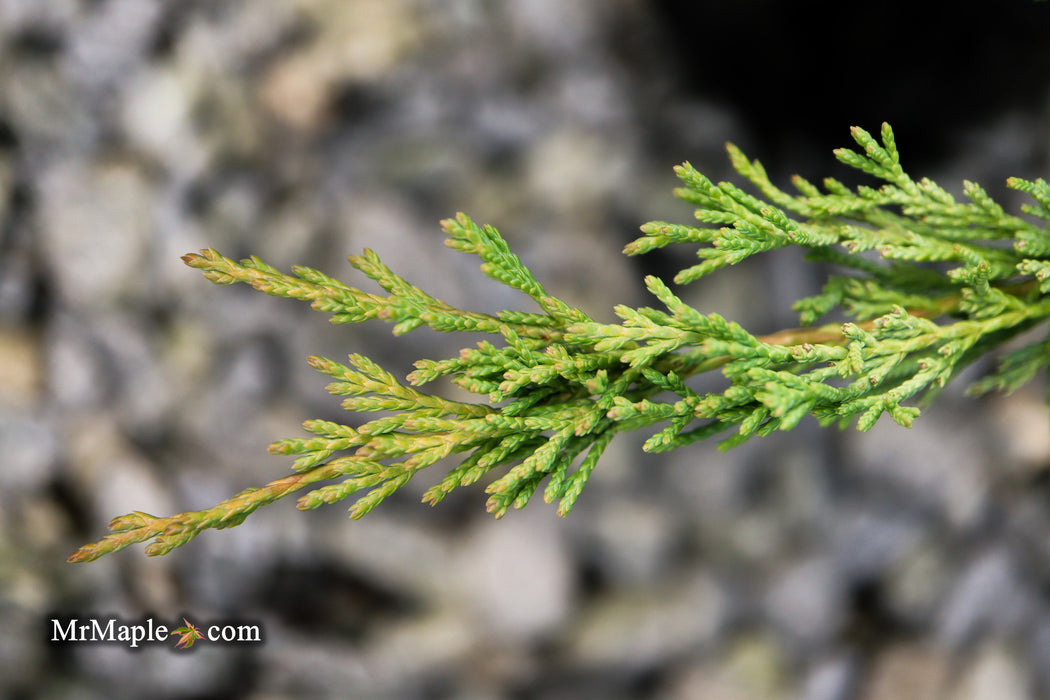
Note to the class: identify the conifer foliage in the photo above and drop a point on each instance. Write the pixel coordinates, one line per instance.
(927, 284)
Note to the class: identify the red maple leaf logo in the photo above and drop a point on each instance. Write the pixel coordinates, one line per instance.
(189, 634)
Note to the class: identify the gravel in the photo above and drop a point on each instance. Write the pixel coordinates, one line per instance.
(816, 564)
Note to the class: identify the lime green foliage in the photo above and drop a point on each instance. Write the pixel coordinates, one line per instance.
(929, 283)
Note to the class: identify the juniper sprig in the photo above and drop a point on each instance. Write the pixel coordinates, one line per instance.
(926, 282)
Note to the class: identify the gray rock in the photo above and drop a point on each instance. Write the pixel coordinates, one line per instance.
(95, 231)
(940, 464)
(917, 583)
(118, 477)
(869, 540)
(996, 672)
(134, 132)
(636, 629)
(631, 541)
(108, 43)
(30, 449)
(908, 671)
(515, 575)
(79, 376)
(806, 601)
(835, 678)
(748, 666)
(986, 598)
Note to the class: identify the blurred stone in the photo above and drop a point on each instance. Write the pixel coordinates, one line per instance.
(575, 169)
(78, 376)
(17, 294)
(755, 537)
(41, 524)
(107, 43)
(24, 15)
(631, 541)
(835, 678)
(30, 450)
(297, 93)
(635, 630)
(24, 589)
(21, 368)
(1039, 654)
(396, 553)
(807, 602)
(515, 574)
(996, 672)
(103, 464)
(413, 249)
(38, 103)
(868, 540)
(155, 671)
(157, 117)
(986, 597)
(99, 360)
(707, 492)
(758, 663)
(1021, 425)
(133, 132)
(141, 382)
(226, 118)
(22, 663)
(309, 666)
(940, 463)
(905, 671)
(95, 231)
(357, 40)
(557, 27)
(404, 655)
(751, 668)
(578, 268)
(7, 184)
(917, 584)
(292, 231)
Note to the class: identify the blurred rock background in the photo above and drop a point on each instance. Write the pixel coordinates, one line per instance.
(814, 565)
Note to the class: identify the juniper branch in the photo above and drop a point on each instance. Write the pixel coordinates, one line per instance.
(928, 283)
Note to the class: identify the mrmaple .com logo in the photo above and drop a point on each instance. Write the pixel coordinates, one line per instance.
(114, 631)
